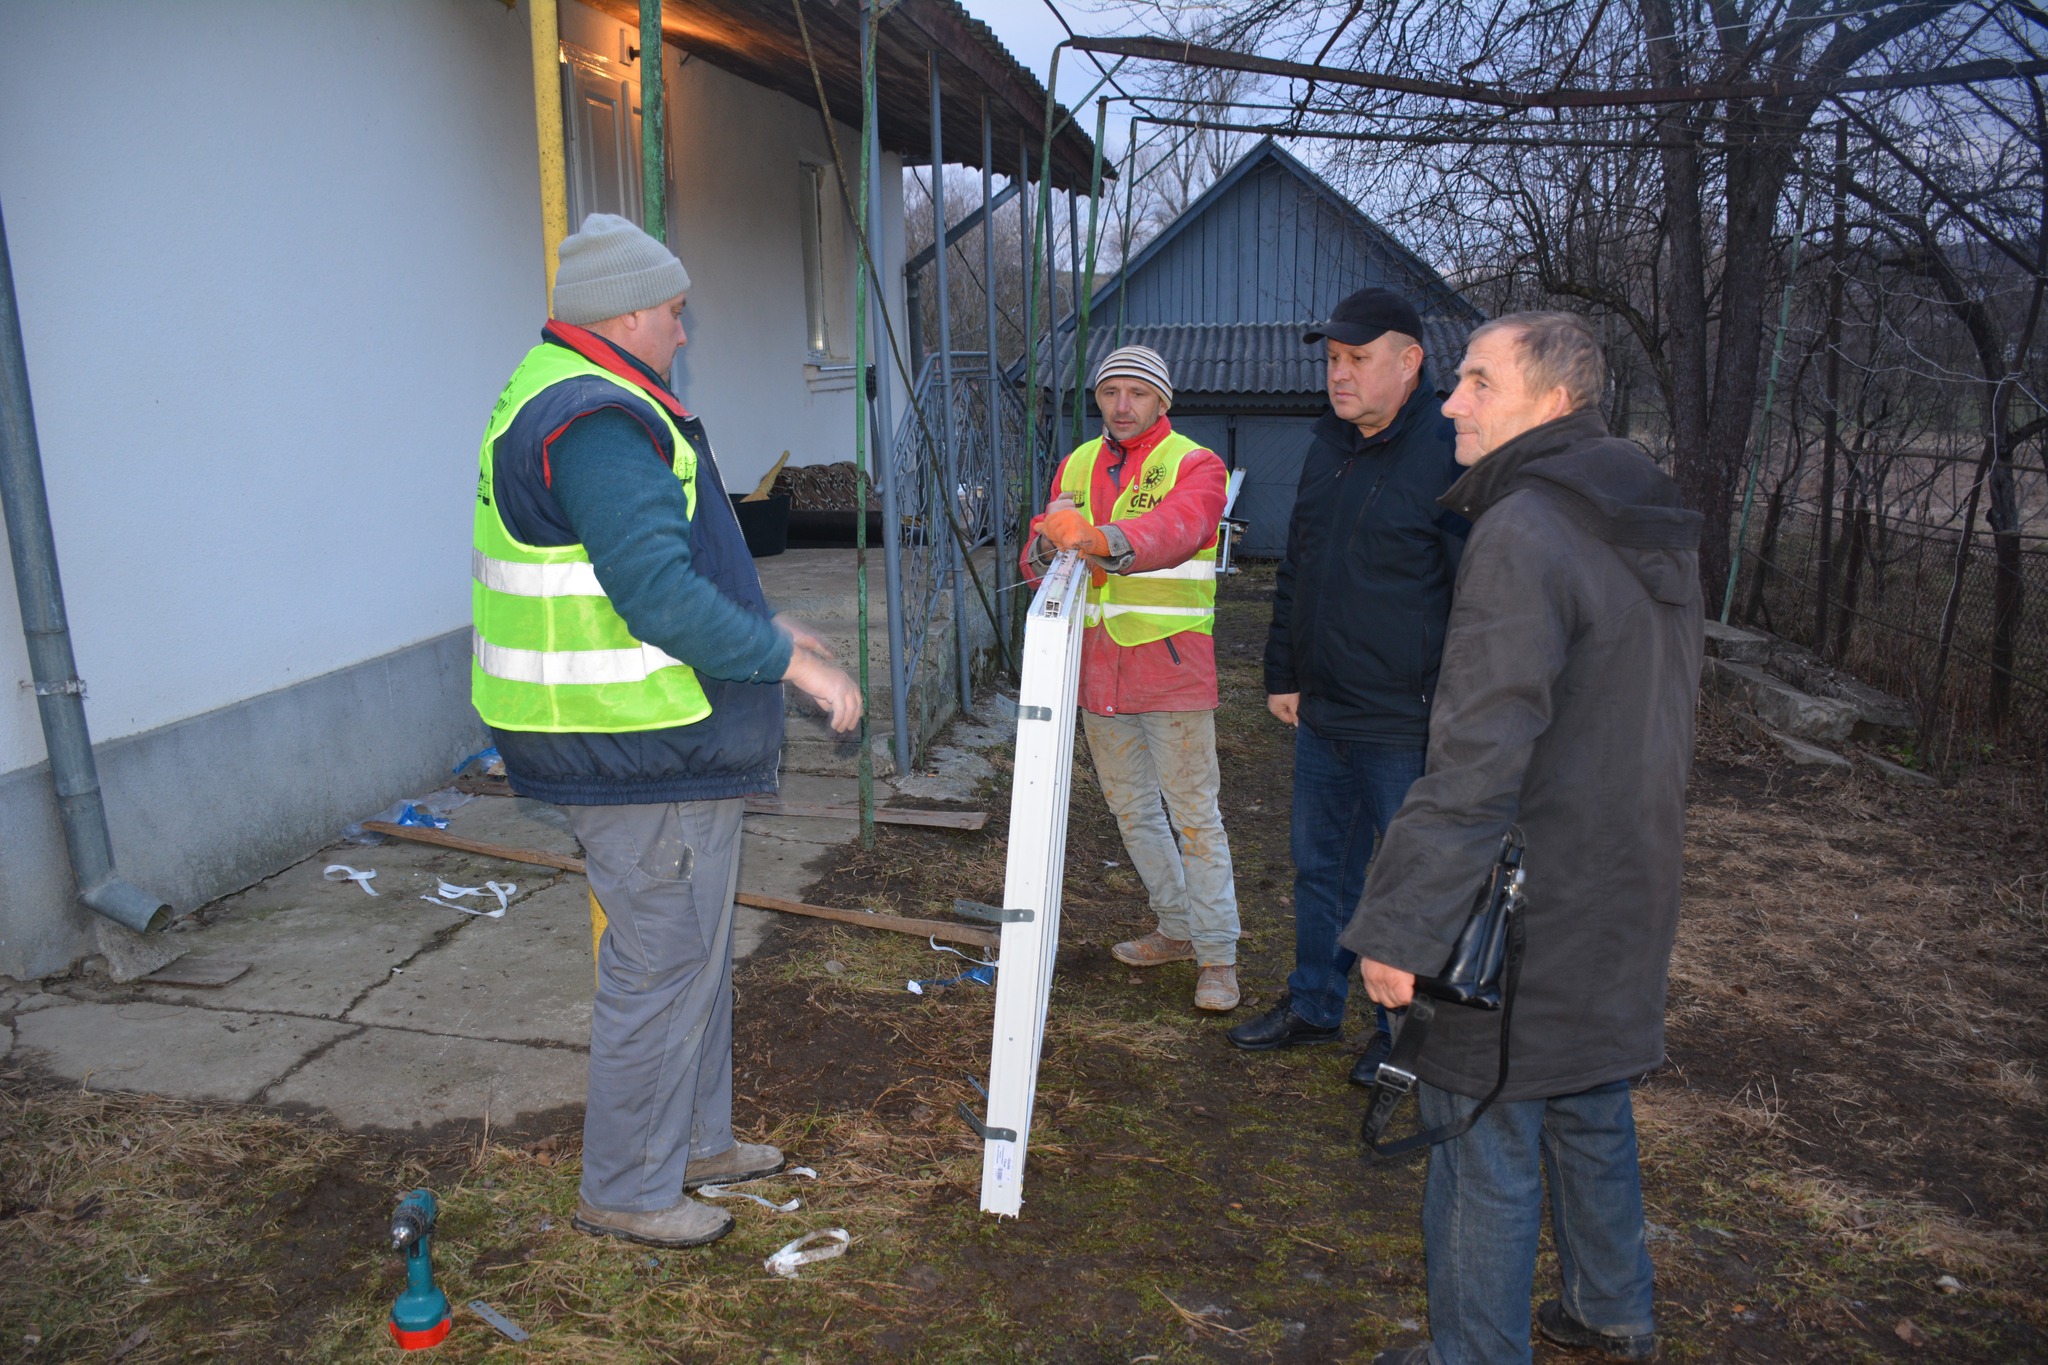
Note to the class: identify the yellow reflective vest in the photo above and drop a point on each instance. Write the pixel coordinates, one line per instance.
(548, 650)
(1138, 608)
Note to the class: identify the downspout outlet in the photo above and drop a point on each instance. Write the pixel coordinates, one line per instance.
(127, 904)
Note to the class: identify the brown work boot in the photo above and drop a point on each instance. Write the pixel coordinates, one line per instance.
(1153, 950)
(741, 1161)
(1216, 989)
(688, 1224)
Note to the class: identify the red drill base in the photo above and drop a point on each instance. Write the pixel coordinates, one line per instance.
(420, 1341)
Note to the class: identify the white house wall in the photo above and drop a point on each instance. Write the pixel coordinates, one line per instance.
(736, 223)
(274, 262)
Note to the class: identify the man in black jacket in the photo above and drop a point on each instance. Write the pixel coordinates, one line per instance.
(1358, 622)
(1565, 706)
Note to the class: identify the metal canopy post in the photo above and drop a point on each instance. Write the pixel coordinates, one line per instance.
(861, 449)
(948, 510)
(653, 147)
(1074, 273)
(993, 392)
(878, 394)
(1027, 331)
(1084, 289)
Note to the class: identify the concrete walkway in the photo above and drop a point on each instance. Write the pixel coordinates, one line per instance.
(388, 1012)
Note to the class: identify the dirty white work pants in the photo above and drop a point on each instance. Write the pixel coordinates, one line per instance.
(1141, 758)
(661, 1023)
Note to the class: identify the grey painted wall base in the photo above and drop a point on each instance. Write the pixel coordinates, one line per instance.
(208, 805)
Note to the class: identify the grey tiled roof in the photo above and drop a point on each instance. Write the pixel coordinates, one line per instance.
(1246, 357)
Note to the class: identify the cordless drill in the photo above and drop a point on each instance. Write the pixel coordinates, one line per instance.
(420, 1318)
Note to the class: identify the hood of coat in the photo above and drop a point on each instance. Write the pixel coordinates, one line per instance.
(1607, 486)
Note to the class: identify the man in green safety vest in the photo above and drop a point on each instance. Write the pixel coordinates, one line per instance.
(1144, 504)
(629, 669)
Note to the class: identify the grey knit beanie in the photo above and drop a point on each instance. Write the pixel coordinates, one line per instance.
(610, 267)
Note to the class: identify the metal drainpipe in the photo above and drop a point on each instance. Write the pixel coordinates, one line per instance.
(60, 696)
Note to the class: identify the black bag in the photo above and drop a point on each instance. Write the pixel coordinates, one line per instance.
(1483, 970)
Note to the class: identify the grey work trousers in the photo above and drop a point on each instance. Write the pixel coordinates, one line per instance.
(661, 1023)
(1149, 755)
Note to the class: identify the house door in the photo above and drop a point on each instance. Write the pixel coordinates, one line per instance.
(601, 135)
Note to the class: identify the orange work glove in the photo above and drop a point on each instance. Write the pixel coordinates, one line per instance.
(1070, 530)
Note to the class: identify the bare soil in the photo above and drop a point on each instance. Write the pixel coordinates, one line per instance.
(1844, 1157)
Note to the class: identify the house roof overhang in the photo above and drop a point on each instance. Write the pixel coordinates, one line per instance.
(760, 41)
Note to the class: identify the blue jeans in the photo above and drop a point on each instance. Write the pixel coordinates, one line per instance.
(1345, 792)
(1483, 1206)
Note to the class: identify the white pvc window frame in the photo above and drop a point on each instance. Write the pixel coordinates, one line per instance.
(1034, 874)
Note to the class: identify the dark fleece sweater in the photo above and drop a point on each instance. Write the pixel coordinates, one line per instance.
(1565, 705)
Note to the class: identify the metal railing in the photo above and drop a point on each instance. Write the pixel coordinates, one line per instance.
(957, 457)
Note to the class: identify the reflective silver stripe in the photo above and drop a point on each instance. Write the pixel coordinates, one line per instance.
(1120, 608)
(576, 579)
(1199, 570)
(554, 668)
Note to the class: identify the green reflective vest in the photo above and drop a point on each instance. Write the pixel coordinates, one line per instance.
(1138, 608)
(548, 650)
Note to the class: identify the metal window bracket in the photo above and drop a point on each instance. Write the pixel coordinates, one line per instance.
(993, 914)
(983, 1131)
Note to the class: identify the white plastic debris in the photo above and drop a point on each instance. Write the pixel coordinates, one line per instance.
(726, 1192)
(794, 1257)
(451, 893)
(1949, 1284)
(342, 872)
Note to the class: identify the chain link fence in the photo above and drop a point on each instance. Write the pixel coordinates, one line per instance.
(1887, 593)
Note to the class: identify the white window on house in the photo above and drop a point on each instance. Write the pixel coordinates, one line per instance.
(828, 279)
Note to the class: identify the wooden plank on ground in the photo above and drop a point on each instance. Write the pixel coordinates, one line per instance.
(921, 928)
(770, 805)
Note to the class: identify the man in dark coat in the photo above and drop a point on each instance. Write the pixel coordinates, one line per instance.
(1564, 706)
(1358, 622)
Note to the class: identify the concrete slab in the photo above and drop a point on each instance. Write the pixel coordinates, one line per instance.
(1896, 773)
(171, 1049)
(525, 977)
(318, 957)
(1805, 755)
(390, 1078)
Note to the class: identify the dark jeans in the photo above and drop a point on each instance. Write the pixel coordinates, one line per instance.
(1483, 1206)
(1345, 792)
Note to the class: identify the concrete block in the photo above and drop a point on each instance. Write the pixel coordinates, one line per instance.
(6, 1040)
(525, 977)
(1781, 706)
(175, 1050)
(1806, 755)
(1737, 645)
(1895, 773)
(392, 1078)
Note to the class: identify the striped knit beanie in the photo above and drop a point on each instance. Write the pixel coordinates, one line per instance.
(1136, 362)
(610, 268)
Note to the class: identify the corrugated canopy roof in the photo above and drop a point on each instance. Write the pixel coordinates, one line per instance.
(759, 41)
(1265, 358)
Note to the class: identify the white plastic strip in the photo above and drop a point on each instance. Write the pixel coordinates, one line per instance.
(793, 1256)
(1033, 874)
(574, 579)
(560, 667)
(342, 872)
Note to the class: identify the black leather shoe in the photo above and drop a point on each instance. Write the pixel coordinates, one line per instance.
(1281, 1027)
(1561, 1327)
(1405, 1355)
(1367, 1067)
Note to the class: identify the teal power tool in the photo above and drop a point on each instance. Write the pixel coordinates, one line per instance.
(420, 1318)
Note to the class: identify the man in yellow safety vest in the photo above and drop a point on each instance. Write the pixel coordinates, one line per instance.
(629, 670)
(1144, 504)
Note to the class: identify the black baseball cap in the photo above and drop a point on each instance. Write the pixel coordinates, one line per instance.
(1363, 316)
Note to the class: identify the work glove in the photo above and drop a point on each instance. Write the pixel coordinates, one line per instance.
(1070, 530)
